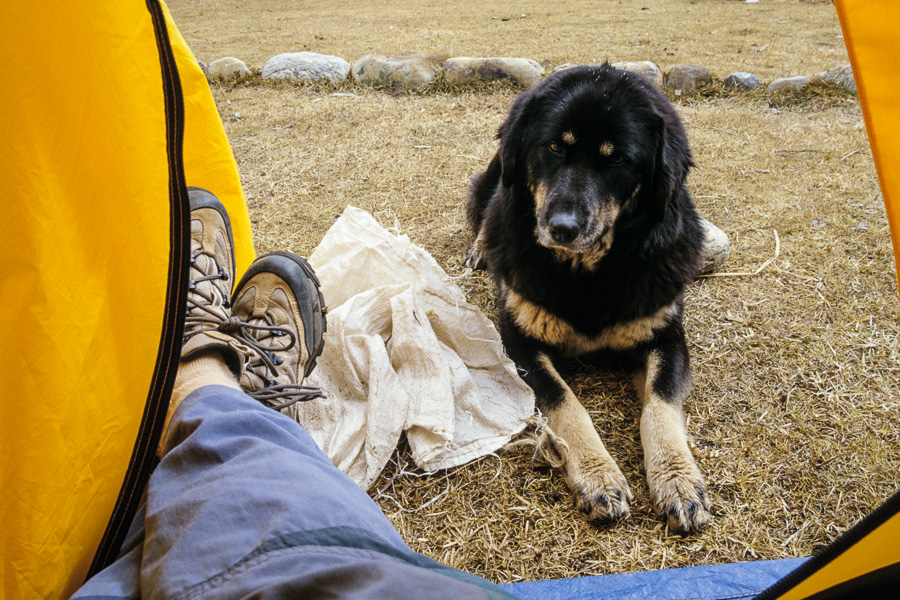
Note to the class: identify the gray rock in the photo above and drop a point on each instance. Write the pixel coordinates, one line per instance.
(644, 68)
(741, 81)
(463, 70)
(840, 76)
(407, 72)
(306, 66)
(688, 78)
(788, 84)
(226, 68)
(716, 247)
(565, 66)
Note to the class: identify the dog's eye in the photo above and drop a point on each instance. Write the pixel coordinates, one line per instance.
(555, 147)
(616, 160)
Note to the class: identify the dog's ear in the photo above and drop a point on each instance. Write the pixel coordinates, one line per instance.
(671, 166)
(513, 136)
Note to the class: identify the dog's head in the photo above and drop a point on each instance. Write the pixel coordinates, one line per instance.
(593, 145)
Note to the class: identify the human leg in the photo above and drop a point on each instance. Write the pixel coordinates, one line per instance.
(243, 501)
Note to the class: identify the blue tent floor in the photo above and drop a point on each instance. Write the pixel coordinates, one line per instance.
(732, 581)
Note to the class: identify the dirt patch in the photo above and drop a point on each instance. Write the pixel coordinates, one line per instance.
(793, 417)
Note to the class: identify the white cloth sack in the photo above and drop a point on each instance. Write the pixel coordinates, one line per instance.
(404, 351)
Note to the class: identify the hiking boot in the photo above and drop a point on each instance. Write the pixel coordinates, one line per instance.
(211, 279)
(282, 316)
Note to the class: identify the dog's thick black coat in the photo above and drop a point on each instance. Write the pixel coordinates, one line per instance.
(585, 223)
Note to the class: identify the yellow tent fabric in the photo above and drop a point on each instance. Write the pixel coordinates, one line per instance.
(209, 161)
(106, 117)
(869, 554)
(870, 33)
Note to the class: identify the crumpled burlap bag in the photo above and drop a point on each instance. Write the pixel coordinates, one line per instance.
(404, 352)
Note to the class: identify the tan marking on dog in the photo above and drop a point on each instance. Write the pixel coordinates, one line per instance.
(479, 239)
(539, 193)
(476, 251)
(589, 467)
(674, 478)
(628, 206)
(538, 190)
(607, 149)
(585, 260)
(541, 324)
(570, 420)
(568, 137)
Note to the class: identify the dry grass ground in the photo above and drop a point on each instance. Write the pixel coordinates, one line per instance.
(794, 415)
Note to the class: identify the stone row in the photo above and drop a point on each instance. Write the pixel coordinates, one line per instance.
(419, 70)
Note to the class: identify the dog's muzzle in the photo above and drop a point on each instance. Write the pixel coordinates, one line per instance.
(564, 227)
(576, 226)
(568, 226)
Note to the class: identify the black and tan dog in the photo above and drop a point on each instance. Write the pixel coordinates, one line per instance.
(585, 224)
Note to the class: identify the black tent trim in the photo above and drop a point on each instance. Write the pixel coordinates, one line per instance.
(143, 457)
(867, 525)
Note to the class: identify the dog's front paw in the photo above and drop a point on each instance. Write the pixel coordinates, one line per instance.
(601, 490)
(679, 495)
(474, 259)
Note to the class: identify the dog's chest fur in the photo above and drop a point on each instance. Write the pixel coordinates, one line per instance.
(580, 319)
(617, 303)
(542, 324)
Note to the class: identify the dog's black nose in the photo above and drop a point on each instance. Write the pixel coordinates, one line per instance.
(563, 227)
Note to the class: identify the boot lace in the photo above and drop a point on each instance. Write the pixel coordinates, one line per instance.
(206, 304)
(206, 312)
(265, 339)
